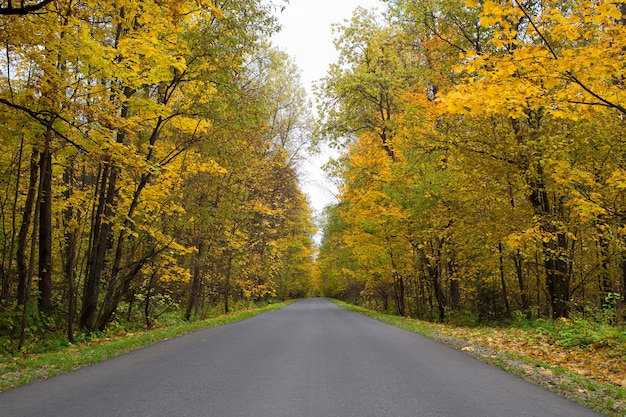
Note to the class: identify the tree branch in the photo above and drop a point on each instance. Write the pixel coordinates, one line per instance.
(594, 94)
(23, 10)
(45, 118)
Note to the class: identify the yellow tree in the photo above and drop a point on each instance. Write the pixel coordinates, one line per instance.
(552, 70)
(335, 265)
(242, 209)
(110, 97)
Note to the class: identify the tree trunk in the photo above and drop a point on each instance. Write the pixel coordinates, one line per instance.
(399, 287)
(70, 241)
(555, 251)
(557, 275)
(433, 274)
(113, 296)
(146, 310)
(9, 274)
(45, 227)
(101, 234)
(556, 258)
(115, 292)
(606, 284)
(505, 296)
(195, 281)
(623, 273)
(22, 239)
(517, 260)
(29, 278)
(455, 292)
(102, 230)
(227, 282)
(399, 294)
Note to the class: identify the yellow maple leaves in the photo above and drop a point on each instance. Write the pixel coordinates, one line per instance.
(553, 60)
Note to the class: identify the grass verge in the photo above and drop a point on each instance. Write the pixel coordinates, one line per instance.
(520, 352)
(24, 369)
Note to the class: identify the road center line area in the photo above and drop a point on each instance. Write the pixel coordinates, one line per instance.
(311, 358)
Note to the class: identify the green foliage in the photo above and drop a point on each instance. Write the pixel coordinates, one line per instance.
(580, 332)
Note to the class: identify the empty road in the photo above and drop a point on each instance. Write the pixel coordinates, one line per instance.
(311, 359)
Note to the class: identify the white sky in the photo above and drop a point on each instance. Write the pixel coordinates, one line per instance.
(307, 37)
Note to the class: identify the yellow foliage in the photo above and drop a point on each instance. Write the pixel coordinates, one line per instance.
(617, 179)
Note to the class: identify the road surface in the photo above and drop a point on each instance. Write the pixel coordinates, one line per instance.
(310, 359)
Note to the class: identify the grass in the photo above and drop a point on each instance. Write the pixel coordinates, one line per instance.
(27, 368)
(578, 359)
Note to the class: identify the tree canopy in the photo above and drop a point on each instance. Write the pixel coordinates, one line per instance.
(483, 169)
(151, 157)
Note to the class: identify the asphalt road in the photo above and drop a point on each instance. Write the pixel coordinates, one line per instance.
(309, 359)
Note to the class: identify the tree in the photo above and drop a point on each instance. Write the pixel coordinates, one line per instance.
(113, 112)
(503, 175)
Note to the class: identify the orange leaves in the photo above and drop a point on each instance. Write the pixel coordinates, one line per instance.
(599, 361)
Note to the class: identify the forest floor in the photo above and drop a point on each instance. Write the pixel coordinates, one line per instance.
(593, 375)
(574, 358)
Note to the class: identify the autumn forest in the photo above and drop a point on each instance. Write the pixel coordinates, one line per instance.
(152, 162)
(149, 164)
(484, 169)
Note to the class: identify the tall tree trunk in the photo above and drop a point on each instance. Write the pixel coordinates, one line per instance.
(114, 294)
(146, 310)
(22, 238)
(9, 275)
(399, 287)
(116, 291)
(27, 302)
(102, 230)
(623, 274)
(227, 282)
(45, 226)
(400, 294)
(29, 277)
(556, 258)
(433, 273)
(505, 296)
(69, 251)
(195, 280)
(434, 276)
(519, 271)
(606, 284)
(557, 275)
(101, 234)
(455, 291)
(555, 251)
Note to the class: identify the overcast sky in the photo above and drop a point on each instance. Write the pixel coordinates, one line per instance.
(307, 37)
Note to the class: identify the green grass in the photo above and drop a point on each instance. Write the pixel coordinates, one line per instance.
(24, 369)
